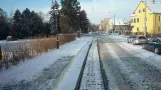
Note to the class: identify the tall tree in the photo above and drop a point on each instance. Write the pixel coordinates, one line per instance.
(36, 25)
(84, 22)
(93, 27)
(69, 12)
(16, 26)
(26, 20)
(4, 27)
(3, 15)
(55, 19)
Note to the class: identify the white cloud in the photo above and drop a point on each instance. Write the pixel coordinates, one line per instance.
(99, 9)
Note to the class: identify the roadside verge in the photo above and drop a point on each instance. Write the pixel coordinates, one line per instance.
(69, 80)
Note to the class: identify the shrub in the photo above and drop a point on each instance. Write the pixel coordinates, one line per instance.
(35, 47)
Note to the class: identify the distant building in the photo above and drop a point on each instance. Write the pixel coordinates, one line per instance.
(153, 18)
(121, 25)
(108, 25)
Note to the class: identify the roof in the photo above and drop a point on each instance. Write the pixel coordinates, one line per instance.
(154, 7)
(133, 15)
(119, 22)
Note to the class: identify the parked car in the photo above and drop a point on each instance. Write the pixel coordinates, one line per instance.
(130, 39)
(137, 40)
(10, 38)
(153, 44)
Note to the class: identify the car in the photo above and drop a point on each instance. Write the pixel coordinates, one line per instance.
(136, 40)
(11, 38)
(131, 38)
(153, 44)
(139, 40)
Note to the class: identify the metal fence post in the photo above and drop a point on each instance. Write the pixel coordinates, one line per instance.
(0, 53)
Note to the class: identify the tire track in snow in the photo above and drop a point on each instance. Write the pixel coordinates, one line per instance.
(144, 55)
(148, 67)
(112, 81)
(130, 74)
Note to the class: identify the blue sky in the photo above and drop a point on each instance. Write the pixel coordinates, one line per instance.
(96, 9)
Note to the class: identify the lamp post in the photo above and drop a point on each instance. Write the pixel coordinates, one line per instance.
(145, 19)
(113, 22)
(56, 12)
(79, 7)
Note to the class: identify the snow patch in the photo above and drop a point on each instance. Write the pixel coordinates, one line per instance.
(31, 69)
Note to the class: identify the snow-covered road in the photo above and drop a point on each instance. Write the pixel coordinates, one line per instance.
(129, 67)
(42, 72)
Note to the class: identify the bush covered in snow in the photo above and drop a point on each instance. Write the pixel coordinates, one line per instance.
(35, 47)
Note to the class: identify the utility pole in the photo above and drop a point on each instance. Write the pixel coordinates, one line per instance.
(79, 19)
(55, 13)
(113, 22)
(56, 10)
(145, 19)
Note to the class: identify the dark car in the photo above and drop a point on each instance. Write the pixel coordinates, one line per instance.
(153, 44)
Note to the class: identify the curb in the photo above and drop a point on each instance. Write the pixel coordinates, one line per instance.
(77, 87)
(66, 70)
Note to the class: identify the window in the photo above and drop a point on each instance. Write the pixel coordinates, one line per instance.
(138, 20)
(137, 29)
(159, 29)
(146, 28)
(134, 20)
(139, 11)
(144, 10)
(159, 18)
(142, 37)
(131, 20)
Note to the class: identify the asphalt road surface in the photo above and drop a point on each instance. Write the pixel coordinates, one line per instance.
(124, 69)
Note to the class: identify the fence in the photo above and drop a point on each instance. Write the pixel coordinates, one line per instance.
(31, 49)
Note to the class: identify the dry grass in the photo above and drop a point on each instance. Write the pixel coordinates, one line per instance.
(35, 47)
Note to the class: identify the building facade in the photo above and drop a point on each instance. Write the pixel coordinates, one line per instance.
(106, 24)
(153, 18)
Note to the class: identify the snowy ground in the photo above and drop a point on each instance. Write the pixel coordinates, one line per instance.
(12, 44)
(129, 67)
(41, 72)
(69, 80)
(92, 78)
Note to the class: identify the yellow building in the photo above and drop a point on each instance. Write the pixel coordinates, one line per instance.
(153, 20)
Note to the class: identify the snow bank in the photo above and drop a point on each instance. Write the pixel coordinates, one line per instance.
(30, 69)
(69, 80)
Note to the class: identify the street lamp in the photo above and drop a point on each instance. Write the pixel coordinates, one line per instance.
(114, 21)
(145, 19)
(79, 7)
(56, 12)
